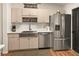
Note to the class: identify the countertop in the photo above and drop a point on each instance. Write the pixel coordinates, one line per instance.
(35, 32)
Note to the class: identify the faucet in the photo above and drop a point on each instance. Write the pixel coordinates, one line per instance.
(30, 27)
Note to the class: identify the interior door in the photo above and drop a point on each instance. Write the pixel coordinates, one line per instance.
(68, 30)
(75, 19)
(77, 30)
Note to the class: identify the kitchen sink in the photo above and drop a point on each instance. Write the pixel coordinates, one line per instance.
(28, 34)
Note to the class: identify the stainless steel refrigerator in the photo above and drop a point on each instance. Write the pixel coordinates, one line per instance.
(60, 25)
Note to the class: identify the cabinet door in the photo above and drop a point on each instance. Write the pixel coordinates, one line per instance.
(34, 12)
(26, 12)
(16, 14)
(43, 15)
(29, 12)
(33, 42)
(24, 43)
(13, 43)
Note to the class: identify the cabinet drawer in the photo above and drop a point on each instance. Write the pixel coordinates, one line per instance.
(60, 44)
(13, 35)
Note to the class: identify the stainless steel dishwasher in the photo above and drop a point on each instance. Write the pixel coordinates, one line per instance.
(44, 40)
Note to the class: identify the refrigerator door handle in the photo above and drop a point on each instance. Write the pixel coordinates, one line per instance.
(73, 31)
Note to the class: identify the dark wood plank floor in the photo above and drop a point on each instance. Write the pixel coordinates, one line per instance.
(63, 53)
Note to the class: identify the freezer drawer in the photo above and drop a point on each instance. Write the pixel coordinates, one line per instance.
(61, 44)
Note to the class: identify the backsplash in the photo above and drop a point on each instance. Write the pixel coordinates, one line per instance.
(22, 27)
(34, 27)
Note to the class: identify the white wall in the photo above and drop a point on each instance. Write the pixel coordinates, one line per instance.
(6, 24)
(68, 10)
(0, 23)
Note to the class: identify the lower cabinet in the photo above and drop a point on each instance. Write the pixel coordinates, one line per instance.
(28, 42)
(13, 43)
(24, 43)
(16, 43)
(33, 42)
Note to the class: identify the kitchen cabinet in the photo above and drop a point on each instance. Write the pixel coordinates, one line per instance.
(24, 43)
(29, 12)
(13, 41)
(33, 42)
(17, 43)
(43, 15)
(16, 15)
(28, 42)
(26, 12)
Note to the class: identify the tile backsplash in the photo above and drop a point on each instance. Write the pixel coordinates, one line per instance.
(22, 27)
(34, 27)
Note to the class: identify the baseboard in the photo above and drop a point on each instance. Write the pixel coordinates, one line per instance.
(4, 52)
(45, 48)
(22, 50)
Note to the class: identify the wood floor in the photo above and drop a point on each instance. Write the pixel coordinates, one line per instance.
(63, 53)
(28, 52)
(42, 52)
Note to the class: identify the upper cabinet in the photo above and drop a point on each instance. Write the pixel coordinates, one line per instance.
(43, 15)
(29, 12)
(13, 41)
(16, 14)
